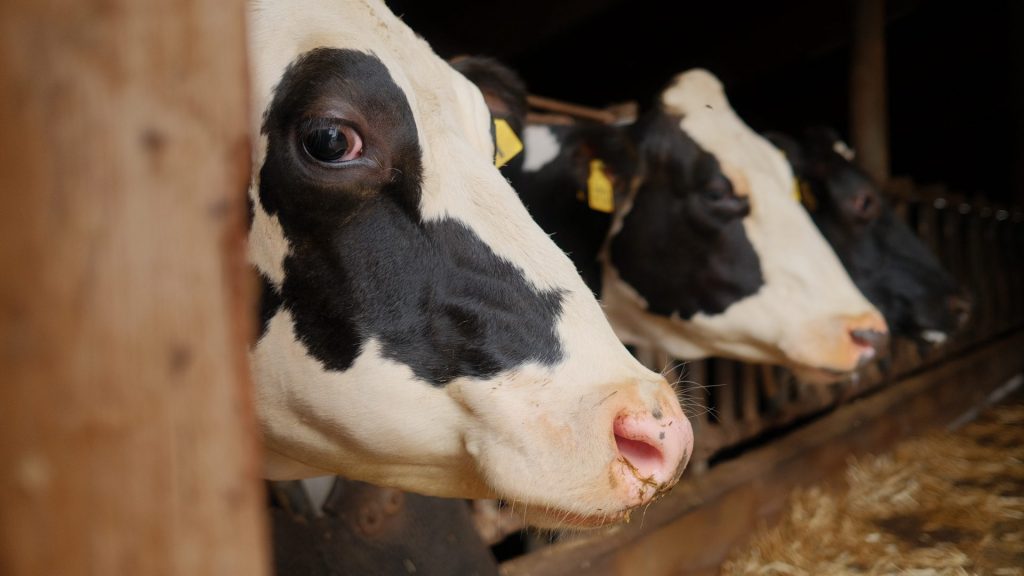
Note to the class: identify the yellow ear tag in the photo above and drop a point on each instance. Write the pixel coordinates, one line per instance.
(507, 144)
(804, 195)
(600, 193)
(796, 190)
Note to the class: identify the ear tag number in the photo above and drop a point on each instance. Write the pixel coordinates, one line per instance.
(600, 193)
(507, 144)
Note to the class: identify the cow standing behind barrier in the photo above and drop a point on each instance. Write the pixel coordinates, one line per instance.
(419, 330)
(889, 263)
(706, 252)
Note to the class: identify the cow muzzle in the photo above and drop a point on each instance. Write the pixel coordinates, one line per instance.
(832, 348)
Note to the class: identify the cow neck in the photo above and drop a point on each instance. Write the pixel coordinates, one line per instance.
(621, 211)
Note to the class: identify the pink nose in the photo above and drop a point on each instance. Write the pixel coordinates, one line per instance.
(656, 447)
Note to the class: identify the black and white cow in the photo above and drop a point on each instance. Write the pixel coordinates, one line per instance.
(419, 330)
(708, 252)
(887, 261)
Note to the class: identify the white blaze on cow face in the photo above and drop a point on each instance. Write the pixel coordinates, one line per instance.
(419, 330)
(540, 147)
(807, 314)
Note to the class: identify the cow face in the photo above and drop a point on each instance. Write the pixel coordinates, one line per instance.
(714, 256)
(418, 330)
(888, 262)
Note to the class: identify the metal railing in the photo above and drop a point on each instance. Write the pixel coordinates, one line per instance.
(734, 405)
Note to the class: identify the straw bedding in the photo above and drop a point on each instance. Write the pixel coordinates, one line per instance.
(943, 504)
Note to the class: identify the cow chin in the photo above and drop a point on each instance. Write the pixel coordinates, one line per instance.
(574, 456)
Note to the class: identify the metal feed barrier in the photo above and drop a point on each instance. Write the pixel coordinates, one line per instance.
(759, 432)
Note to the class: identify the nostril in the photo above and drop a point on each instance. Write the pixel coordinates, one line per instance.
(869, 339)
(960, 307)
(645, 458)
(641, 441)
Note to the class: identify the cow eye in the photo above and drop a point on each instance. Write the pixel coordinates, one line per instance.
(717, 189)
(332, 142)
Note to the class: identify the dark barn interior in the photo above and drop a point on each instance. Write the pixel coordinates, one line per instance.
(955, 68)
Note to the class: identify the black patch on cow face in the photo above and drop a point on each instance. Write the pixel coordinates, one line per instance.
(362, 264)
(682, 246)
(890, 265)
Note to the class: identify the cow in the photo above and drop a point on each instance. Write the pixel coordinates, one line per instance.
(417, 329)
(892, 267)
(694, 240)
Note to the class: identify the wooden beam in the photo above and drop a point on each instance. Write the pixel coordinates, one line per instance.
(692, 529)
(126, 428)
(869, 114)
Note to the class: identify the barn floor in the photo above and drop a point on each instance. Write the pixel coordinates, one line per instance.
(942, 504)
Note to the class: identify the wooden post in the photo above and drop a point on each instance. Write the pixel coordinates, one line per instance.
(126, 429)
(869, 117)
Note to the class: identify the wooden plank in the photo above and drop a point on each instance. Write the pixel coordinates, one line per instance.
(128, 439)
(749, 393)
(725, 386)
(691, 529)
(770, 386)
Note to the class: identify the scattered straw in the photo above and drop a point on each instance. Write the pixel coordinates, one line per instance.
(943, 504)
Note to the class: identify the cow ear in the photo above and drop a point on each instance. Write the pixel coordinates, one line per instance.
(502, 89)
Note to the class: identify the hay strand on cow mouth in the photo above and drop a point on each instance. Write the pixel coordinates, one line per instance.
(943, 504)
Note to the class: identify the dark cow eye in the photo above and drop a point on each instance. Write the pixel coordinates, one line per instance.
(720, 200)
(332, 143)
(717, 189)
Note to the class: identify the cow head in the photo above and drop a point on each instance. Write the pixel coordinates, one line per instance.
(714, 256)
(419, 330)
(887, 261)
